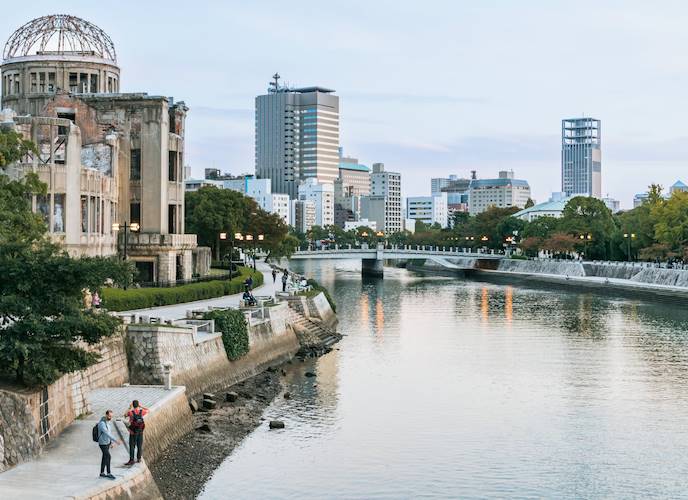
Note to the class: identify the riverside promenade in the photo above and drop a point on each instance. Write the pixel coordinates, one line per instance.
(68, 467)
(178, 311)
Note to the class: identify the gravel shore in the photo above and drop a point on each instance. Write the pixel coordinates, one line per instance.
(187, 465)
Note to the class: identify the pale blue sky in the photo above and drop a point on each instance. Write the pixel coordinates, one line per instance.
(429, 88)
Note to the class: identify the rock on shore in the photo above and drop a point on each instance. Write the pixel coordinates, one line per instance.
(185, 467)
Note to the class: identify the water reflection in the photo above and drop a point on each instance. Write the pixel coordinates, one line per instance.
(427, 397)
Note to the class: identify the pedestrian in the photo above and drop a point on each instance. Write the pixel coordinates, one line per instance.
(285, 277)
(249, 282)
(96, 300)
(274, 275)
(106, 441)
(136, 413)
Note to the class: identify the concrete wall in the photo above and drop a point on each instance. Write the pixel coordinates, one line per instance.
(319, 307)
(199, 360)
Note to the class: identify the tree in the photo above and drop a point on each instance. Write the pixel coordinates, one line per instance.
(43, 324)
(671, 221)
(542, 227)
(585, 216)
(560, 243)
(531, 245)
(13, 147)
(529, 203)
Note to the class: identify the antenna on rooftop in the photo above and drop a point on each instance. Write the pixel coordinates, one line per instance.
(275, 85)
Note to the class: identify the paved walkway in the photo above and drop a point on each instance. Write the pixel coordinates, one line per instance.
(178, 311)
(69, 466)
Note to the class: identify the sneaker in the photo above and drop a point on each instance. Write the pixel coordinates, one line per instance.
(110, 476)
(130, 462)
(102, 474)
(138, 461)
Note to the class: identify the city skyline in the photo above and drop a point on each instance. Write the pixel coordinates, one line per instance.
(495, 107)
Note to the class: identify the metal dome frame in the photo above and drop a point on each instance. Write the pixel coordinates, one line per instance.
(73, 35)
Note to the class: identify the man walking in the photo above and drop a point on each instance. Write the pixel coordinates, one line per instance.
(285, 277)
(136, 425)
(274, 275)
(106, 441)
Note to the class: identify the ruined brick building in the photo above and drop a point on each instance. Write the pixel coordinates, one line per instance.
(111, 160)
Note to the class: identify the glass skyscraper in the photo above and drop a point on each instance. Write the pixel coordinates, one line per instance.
(297, 136)
(581, 157)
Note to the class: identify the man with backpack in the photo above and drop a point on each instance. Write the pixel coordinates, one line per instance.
(136, 426)
(102, 434)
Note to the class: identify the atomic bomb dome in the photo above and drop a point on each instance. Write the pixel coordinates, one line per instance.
(57, 53)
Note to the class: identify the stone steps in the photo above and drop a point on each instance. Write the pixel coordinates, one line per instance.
(315, 338)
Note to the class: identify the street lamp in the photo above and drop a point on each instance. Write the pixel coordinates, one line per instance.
(628, 237)
(133, 227)
(585, 237)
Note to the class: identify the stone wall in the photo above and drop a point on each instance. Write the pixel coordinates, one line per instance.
(199, 360)
(167, 422)
(56, 406)
(319, 307)
(19, 440)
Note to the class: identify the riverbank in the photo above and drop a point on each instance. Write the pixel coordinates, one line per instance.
(185, 467)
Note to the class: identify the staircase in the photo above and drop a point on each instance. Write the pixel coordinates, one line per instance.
(315, 338)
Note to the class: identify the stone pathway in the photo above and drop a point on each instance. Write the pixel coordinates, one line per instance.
(69, 465)
(178, 311)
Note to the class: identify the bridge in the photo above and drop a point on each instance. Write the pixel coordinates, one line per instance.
(372, 258)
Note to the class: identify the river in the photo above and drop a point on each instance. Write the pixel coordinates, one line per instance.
(445, 388)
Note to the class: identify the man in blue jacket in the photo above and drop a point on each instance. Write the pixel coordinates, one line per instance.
(106, 441)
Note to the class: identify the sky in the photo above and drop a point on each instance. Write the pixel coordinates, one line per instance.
(428, 88)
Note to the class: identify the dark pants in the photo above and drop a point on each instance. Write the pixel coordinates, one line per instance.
(105, 460)
(135, 441)
(284, 286)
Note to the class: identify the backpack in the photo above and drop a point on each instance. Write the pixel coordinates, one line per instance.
(136, 422)
(96, 432)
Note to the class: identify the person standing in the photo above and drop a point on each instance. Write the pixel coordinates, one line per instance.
(136, 413)
(96, 300)
(285, 277)
(274, 275)
(249, 282)
(106, 441)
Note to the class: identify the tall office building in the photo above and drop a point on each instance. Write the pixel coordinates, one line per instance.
(503, 192)
(581, 157)
(386, 186)
(297, 136)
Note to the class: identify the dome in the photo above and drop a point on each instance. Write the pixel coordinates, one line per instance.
(59, 35)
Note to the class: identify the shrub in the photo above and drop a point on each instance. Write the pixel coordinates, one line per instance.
(117, 299)
(232, 324)
(317, 288)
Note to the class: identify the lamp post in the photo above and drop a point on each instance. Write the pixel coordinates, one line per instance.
(585, 237)
(628, 237)
(133, 227)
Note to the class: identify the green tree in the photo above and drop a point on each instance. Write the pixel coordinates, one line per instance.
(13, 147)
(585, 216)
(43, 324)
(542, 227)
(671, 222)
(529, 203)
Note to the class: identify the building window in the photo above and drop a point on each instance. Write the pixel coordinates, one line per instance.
(135, 165)
(135, 212)
(58, 213)
(172, 166)
(172, 219)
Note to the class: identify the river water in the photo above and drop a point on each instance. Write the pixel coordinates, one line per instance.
(444, 388)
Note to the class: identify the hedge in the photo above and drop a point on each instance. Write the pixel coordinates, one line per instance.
(232, 324)
(117, 299)
(317, 288)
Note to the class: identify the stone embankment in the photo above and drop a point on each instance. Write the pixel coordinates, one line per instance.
(194, 354)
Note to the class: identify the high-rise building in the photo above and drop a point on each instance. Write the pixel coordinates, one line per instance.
(353, 182)
(428, 209)
(437, 183)
(322, 195)
(581, 157)
(388, 186)
(503, 192)
(297, 136)
(302, 215)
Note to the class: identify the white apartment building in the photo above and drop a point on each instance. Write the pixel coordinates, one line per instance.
(502, 192)
(428, 209)
(302, 215)
(322, 195)
(387, 186)
(355, 224)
